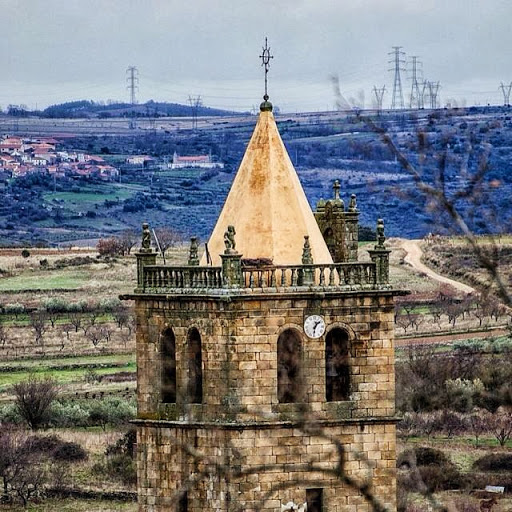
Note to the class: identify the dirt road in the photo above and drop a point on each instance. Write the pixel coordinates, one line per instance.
(413, 258)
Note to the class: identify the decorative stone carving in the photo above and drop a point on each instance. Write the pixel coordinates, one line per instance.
(336, 189)
(308, 274)
(146, 238)
(380, 255)
(193, 257)
(380, 234)
(229, 240)
(307, 257)
(352, 207)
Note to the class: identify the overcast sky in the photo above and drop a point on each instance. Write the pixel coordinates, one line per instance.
(60, 50)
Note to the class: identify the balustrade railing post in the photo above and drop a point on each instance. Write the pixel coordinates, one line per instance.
(143, 260)
(380, 256)
(307, 274)
(283, 277)
(322, 276)
(331, 275)
(232, 275)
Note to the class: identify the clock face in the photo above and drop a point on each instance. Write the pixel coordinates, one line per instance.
(314, 326)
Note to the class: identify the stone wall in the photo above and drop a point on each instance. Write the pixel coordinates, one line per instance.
(239, 339)
(265, 466)
(240, 421)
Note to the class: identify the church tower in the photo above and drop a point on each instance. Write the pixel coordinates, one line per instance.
(265, 375)
(339, 227)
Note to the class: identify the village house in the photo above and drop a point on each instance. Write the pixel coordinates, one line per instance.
(143, 160)
(21, 156)
(194, 161)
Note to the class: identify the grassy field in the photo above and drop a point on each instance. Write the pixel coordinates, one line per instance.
(69, 280)
(95, 280)
(67, 371)
(94, 194)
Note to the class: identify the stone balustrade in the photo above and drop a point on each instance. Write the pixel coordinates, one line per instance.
(344, 276)
(168, 277)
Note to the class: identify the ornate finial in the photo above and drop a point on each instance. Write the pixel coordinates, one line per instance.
(380, 234)
(307, 257)
(193, 258)
(265, 62)
(336, 188)
(229, 240)
(146, 238)
(352, 207)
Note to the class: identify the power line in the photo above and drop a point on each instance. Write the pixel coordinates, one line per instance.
(398, 96)
(414, 100)
(421, 94)
(195, 103)
(132, 80)
(433, 90)
(379, 95)
(505, 89)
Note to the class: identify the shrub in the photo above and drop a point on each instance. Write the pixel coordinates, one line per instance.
(54, 304)
(77, 307)
(441, 478)
(436, 471)
(111, 411)
(33, 399)
(69, 452)
(109, 304)
(68, 414)
(461, 393)
(121, 467)
(53, 446)
(46, 444)
(109, 247)
(10, 414)
(125, 445)
(25, 253)
(423, 456)
(494, 462)
(91, 376)
(14, 309)
(74, 262)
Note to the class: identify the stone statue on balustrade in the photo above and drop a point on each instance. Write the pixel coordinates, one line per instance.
(229, 240)
(146, 238)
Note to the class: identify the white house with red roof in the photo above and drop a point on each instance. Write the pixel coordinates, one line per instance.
(194, 161)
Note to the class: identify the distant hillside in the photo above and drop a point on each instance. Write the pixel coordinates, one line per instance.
(88, 109)
(466, 152)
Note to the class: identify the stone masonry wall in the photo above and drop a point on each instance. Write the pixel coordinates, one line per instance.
(240, 421)
(239, 340)
(285, 452)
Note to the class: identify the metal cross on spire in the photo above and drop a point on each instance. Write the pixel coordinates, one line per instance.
(265, 61)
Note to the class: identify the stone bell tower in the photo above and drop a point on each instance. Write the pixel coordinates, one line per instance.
(265, 380)
(338, 226)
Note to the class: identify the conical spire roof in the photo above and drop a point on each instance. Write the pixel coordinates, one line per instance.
(267, 205)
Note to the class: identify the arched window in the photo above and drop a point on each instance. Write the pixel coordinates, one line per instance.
(337, 365)
(289, 371)
(168, 378)
(195, 367)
